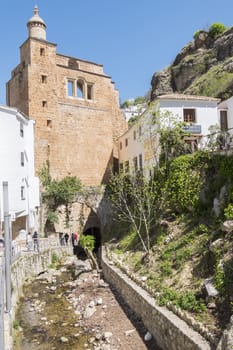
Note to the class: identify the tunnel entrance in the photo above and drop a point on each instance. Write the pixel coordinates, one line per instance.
(95, 232)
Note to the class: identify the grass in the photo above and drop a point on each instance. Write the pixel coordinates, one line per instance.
(178, 268)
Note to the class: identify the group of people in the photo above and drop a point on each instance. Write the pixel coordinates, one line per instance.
(64, 238)
(32, 241)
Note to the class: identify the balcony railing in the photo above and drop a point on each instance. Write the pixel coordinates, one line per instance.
(192, 128)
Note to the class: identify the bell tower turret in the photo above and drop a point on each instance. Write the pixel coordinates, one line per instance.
(36, 26)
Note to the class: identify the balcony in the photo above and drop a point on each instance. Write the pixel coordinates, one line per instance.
(192, 128)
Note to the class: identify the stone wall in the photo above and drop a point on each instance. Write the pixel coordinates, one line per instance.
(25, 269)
(76, 134)
(29, 265)
(170, 332)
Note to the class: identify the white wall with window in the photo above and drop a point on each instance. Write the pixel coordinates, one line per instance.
(225, 110)
(17, 166)
(141, 141)
(138, 147)
(199, 111)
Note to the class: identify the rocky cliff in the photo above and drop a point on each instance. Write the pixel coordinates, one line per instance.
(203, 67)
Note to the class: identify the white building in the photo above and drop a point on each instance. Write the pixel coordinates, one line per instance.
(139, 146)
(17, 169)
(133, 111)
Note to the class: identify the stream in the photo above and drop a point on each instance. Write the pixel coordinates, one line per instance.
(46, 319)
(72, 308)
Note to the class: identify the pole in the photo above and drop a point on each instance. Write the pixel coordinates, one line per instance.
(2, 334)
(7, 246)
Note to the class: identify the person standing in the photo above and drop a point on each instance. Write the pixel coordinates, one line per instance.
(35, 241)
(66, 236)
(29, 241)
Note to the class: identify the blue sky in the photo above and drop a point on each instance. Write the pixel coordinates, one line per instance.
(131, 38)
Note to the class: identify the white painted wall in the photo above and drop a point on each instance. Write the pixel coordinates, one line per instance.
(12, 144)
(206, 113)
(227, 105)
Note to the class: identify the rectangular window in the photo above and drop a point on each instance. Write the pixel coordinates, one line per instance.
(135, 163)
(140, 131)
(42, 51)
(22, 158)
(134, 135)
(49, 123)
(44, 79)
(223, 120)
(140, 161)
(120, 145)
(70, 88)
(126, 142)
(44, 104)
(127, 166)
(80, 88)
(23, 193)
(89, 92)
(21, 130)
(189, 115)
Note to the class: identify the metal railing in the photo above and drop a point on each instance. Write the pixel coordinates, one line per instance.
(20, 247)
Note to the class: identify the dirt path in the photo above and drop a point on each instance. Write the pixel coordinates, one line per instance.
(77, 310)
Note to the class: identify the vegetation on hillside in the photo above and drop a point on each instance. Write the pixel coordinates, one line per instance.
(185, 239)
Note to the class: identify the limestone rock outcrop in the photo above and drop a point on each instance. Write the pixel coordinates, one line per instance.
(203, 67)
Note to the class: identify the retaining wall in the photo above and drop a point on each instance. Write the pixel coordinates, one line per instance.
(24, 269)
(170, 332)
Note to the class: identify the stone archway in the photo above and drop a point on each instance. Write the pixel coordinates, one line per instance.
(92, 227)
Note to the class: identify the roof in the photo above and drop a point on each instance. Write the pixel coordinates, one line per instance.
(36, 18)
(187, 97)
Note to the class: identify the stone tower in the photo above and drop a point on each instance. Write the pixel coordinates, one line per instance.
(75, 106)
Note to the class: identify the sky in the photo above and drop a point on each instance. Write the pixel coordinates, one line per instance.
(132, 39)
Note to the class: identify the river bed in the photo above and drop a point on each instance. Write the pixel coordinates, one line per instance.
(72, 308)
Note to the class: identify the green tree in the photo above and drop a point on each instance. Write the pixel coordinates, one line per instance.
(87, 242)
(136, 202)
(55, 193)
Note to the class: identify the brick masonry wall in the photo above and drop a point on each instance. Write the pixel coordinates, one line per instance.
(75, 134)
(170, 332)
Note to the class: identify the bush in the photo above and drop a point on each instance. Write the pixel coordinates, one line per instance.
(216, 29)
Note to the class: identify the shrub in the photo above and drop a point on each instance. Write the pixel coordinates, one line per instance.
(16, 325)
(55, 258)
(216, 29)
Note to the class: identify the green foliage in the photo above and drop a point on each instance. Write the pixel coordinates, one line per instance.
(223, 278)
(128, 240)
(171, 135)
(186, 301)
(228, 212)
(56, 192)
(63, 191)
(136, 201)
(55, 258)
(195, 35)
(183, 184)
(52, 217)
(216, 29)
(87, 242)
(44, 175)
(15, 324)
(138, 100)
(216, 82)
(166, 269)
